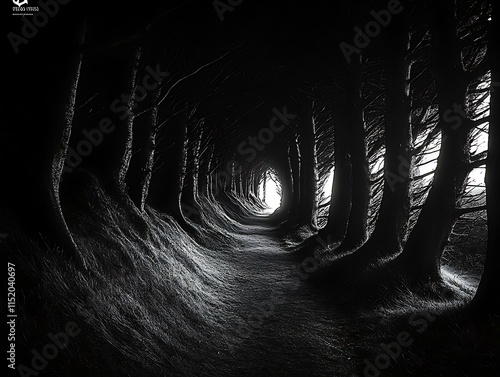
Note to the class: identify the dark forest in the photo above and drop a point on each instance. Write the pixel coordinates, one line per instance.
(242, 188)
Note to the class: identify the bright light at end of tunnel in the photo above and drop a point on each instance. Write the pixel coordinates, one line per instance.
(271, 196)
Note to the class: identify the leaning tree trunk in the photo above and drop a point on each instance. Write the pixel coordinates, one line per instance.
(422, 252)
(63, 135)
(488, 292)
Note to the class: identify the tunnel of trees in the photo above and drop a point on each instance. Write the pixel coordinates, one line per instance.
(241, 188)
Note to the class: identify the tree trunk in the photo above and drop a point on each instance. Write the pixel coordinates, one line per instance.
(308, 171)
(488, 292)
(189, 177)
(150, 150)
(166, 195)
(110, 161)
(295, 162)
(391, 226)
(34, 142)
(197, 164)
(129, 126)
(144, 145)
(360, 194)
(428, 238)
(340, 200)
(285, 175)
(63, 135)
(256, 184)
(287, 183)
(204, 171)
(210, 188)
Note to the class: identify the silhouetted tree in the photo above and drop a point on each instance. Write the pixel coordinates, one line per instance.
(422, 252)
(487, 294)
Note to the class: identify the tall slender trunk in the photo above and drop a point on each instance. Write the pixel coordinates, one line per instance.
(129, 126)
(111, 161)
(181, 172)
(144, 146)
(197, 163)
(357, 228)
(209, 165)
(62, 143)
(340, 200)
(150, 150)
(428, 238)
(204, 170)
(165, 194)
(287, 185)
(391, 226)
(284, 173)
(189, 197)
(244, 183)
(208, 173)
(189, 177)
(295, 172)
(487, 294)
(308, 171)
(233, 179)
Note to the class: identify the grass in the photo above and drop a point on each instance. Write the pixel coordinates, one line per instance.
(161, 303)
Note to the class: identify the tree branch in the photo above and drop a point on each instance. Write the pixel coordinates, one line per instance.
(463, 211)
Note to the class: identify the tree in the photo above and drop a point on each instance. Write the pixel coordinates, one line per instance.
(422, 252)
(63, 134)
(360, 179)
(144, 148)
(308, 170)
(487, 294)
(392, 219)
(341, 196)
